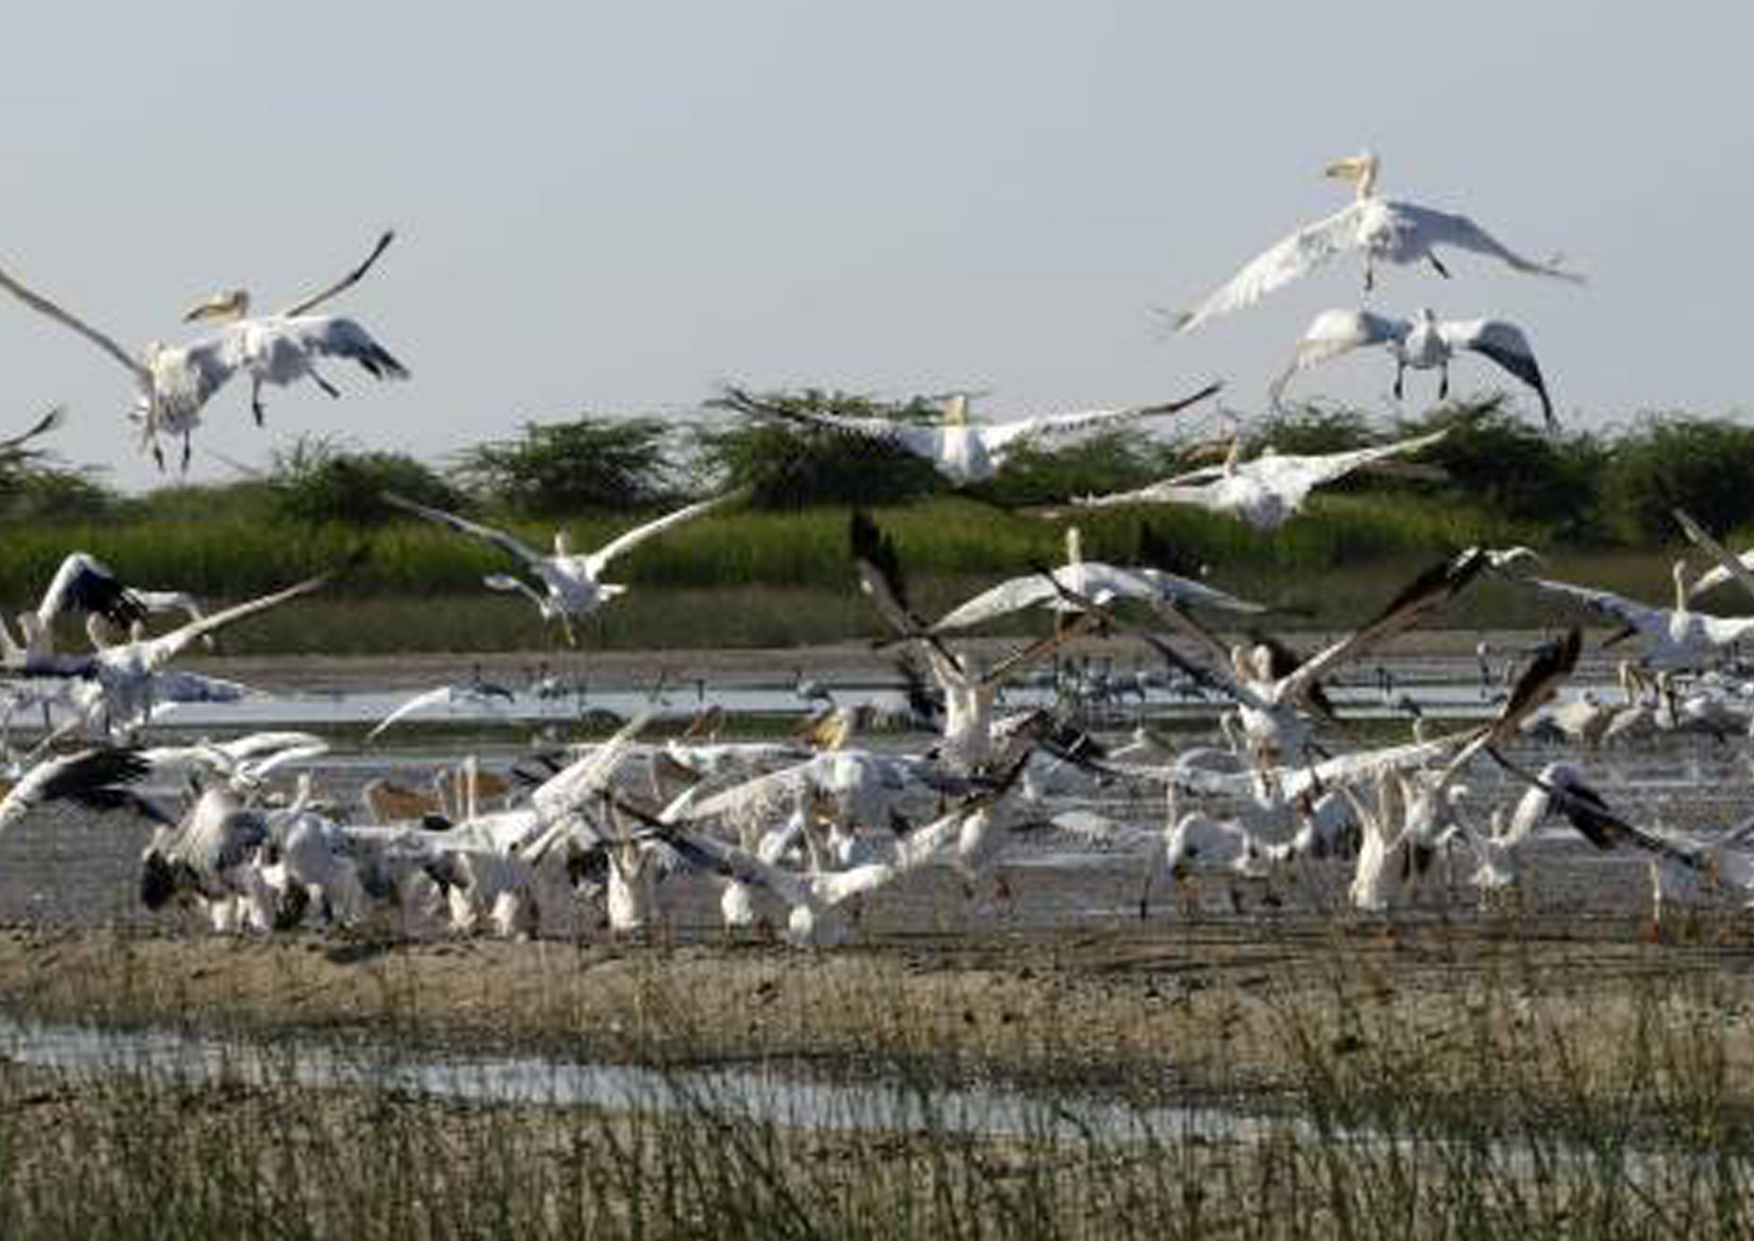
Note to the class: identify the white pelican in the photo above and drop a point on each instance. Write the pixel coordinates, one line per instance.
(174, 382)
(1677, 638)
(1099, 581)
(962, 451)
(1265, 492)
(124, 672)
(573, 582)
(1378, 228)
(83, 583)
(1423, 342)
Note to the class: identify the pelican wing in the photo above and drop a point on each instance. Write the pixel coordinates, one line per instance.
(1505, 344)
(922, 440)
(176, 641)
(1336, 332)
(346, 282)
(462, 525)
(1100, 581)
(1182, 591)
(1297, 255)
(1441, 228)
(44, 306)
(185, 377)
(1049, 426)
(50, 421)
(86, 584)
(1430, 590)
(1640, 616)
(324, 336)
(599, 560)
(1728, 566)
(419, 702)
(95, 779)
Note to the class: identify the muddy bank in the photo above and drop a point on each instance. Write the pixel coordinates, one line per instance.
(1206, 1007)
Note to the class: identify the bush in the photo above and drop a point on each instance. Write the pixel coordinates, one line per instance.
(1705, 466)
(319, 482)
(561, 468)
(1508, 465)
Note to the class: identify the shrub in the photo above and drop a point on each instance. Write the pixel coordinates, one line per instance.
(560, 468)
(1705, 466)
(317, 481)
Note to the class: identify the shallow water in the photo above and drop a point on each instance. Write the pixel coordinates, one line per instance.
(766, 1094)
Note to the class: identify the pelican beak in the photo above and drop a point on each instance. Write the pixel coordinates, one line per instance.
(1349, 169)
(224, 306)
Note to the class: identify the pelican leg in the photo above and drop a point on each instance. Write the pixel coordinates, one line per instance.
(1400, 377)
(1369, 276)
(157, 452)
(256, 406)
(1443, 383)
(326, 386)
(188, 449)
(1441, 269)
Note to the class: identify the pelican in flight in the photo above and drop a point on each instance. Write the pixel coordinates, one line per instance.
(962, 451)
(1382, 230)
(1267, 491)
(1423, 342)
(573, 582)
(1102, 582)
(1679, 637)
(174, 382)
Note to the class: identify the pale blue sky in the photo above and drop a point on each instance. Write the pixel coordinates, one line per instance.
(615, 207)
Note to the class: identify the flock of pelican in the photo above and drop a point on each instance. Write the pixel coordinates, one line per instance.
(799, 835)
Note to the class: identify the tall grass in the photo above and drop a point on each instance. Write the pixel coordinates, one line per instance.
(1502, 1104)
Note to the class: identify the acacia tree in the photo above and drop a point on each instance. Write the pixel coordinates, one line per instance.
(557, 469)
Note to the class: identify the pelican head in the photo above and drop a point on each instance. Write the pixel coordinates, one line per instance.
(1361, 168)
(1680, 572)
(562, 543)
(1074, 546)
(232, 305)
(956, 409)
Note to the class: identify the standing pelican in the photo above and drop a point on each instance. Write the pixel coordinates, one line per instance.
(574, 583)
(1380, 229)
(1423, 342)
(174, 382)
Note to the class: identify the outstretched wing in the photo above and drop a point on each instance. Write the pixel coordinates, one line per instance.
(1441, 228)
(1336, 332)
(44, 306)
(175, 642)
(1297, 255)
(85, 583)
(12, 444)
(911, 437)
(1505, 344)
(462, 525)
(599, 560)
(329, 336)
(346, 282)
(1050, 426)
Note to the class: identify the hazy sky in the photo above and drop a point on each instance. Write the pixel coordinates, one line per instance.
(616, 207)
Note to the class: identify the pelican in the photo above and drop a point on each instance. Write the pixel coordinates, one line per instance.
(1678, 638)
(1265, 492)
(573, 582)
(1423, 342)
(1100, 581)
(962, 451)
(174, 382)
(477, 695)
(1378, 228)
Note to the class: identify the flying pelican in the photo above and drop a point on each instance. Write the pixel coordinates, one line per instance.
(1678, 637)
(477, 695)
(1265, 492)
(1100, 581)
(960, 450)
(174, 382)
(1423, 342)
(574, 584)
(1380, 229)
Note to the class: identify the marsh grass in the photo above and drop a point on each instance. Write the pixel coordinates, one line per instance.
(1511, 1104)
